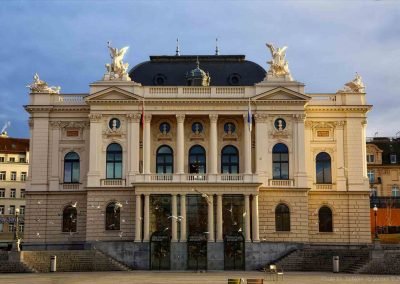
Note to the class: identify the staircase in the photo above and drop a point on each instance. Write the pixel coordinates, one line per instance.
(311, 259)
(12, 266)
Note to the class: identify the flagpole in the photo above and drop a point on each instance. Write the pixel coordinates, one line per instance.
(143, 137)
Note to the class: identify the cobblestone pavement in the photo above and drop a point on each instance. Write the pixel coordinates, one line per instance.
(146, 277)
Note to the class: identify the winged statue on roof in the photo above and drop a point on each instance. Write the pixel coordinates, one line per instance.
(279, 64)
(117, 68)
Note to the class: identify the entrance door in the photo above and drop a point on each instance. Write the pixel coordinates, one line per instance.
(234, 251)
(197, 252)
(160, 244)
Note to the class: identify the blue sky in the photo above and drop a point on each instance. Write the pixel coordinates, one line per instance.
(328, 40)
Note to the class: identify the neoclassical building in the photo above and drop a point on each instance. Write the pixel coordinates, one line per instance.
(197, 162)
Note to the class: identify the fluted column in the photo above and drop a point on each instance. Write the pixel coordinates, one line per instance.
(183, 214)
(146, 225)
(219, 218)
(133, 143)
(147, 143)
(341, 174)
(174, 219)
(211, 219)
(180, 143)
(247, 146)
(138, 219)
(299, 152)
(256, 236)
(213, 144)
(94, 150)
(247, 217)
(261, 137)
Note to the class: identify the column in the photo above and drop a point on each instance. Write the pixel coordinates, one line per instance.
(174, 221)
(210, 219)
(213, 144)
(256, 236)
(300, 157)
(261, 137)
(146, 225)
(247, 146)
(341, 171)
(94, 150)
(180, 143)
(133, 143)
(247, 217)
(138, 219)
(183, 214)
(147, 144)
(219, 218)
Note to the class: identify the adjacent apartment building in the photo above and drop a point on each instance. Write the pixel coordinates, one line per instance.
(197, 162)
(14, 163)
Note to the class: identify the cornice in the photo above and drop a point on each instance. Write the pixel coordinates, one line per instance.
(342, 108)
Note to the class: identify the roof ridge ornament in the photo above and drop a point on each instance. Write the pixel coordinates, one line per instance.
(279, 66)
(117, 70)
(40, 86)
(177, 52)
(354, 86)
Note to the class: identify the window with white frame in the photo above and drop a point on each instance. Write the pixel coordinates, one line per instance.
(11, 227)
(13, 193)
(22, 210)
(12, 160)
(374, 192)
(1, 159)
(21, 227)
(370, 158)
(11, 210)
(371, 176)
(3, 175)
(22, 160)
(23, 176)
(22, 193)
(393, 158)
(2, 192)
(1, 209)
(13, 175)
(395, 191)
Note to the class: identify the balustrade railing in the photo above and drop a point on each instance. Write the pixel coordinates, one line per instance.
(281, 182)
(113, 182)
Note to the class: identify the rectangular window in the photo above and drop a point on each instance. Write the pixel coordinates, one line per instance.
(23, 176)
(22, 160)
(13, 175)
(11, 210)
(371, 176)
(1, 209)
(22, 210)
(370, 158)
(2, 192)
(12, 160)
(21, 227)
(393, 159)
(3, 175)
(13, 193)
(395, 191)
(1, 159)
(22, 193)
(11, 227)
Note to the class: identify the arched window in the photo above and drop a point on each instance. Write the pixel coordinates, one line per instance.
(325, 219)
(71, 168)
(69, 219)
(229, 160)
(323, 166)
(280, 158)
(282, 218)
(197, 160)
(165, 160)
(114, 161)
(113, 214)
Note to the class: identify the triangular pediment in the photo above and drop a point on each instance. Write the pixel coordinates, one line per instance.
(281, 93)
(113, 94)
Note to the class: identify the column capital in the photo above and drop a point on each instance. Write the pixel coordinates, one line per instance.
(147, 117)
(95, 117)
(258, 117)
(299, 117)
(213, 117)
(133, 117)
(340, 124)
(180, 118)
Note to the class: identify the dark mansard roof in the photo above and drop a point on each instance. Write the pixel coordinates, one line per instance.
(224, 70)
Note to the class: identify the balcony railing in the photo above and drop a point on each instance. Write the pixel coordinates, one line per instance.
(113, 182)
(324, 186)
(70, 186)
(281, 182)
(194, 178)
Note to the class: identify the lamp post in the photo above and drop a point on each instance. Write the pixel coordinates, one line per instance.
(375, 214)
(16, 228)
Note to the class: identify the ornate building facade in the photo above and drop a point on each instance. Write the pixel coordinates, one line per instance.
(197, 162)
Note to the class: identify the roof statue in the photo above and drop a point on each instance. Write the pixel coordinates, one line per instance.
(117, 70)
(39, 86)
(279, 65)
(354, 86)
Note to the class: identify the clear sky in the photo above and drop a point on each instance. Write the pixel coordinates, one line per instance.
(328, 41)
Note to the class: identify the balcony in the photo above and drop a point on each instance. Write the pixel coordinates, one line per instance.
(281, 183)
(113, 182)
(324, 186)
(70, 186)
(196, 178)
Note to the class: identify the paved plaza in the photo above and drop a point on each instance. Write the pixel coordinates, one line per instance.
(144, 277)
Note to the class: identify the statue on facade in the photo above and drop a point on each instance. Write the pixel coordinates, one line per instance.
(117, 69)
(354, 86)
(279, 65)
(39, 86)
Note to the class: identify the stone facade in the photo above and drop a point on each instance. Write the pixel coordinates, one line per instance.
(250, 186)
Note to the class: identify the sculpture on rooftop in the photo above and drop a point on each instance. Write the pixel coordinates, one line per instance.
(279, 65)
(354, 86)
(39, 86)
(117, 69)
